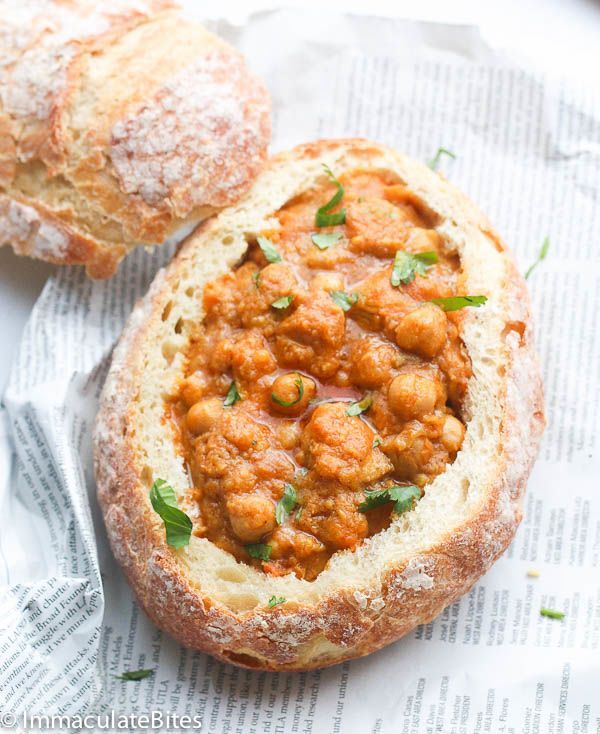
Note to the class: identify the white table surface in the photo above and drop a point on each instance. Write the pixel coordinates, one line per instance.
(561, 36)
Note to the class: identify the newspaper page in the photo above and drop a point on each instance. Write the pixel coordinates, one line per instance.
(528, 151)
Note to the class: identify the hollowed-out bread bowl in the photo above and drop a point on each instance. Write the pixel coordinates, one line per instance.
(366, 596)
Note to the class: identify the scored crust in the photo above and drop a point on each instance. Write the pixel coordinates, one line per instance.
(119, 122)
(401, 577)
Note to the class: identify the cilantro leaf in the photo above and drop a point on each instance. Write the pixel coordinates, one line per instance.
(344, 300)
(269, 249)
(323, 217)
(404, 498)
(166, 492)
(256, 278)
(374, 498)
(275, 600)
(435, 161)
(408, 265)
(232, 396)
(286, 504)
(360, 407)
(324, 240)
(282, 302)
(377, 442)
(542, 256)
(262, 551)
(178, 526)
(136, 674)
(551, 613)
(455, 303)
(299, 383)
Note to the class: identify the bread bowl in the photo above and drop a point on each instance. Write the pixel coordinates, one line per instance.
(119, 123)
(359, 586)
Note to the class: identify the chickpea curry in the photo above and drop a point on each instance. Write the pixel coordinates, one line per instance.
(323, 388)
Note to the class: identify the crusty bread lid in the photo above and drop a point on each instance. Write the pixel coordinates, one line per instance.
(119, 123)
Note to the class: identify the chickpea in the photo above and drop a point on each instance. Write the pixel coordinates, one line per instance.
(289, 434)
(328, 282)
(193, 389)
(276, 280)
(219, 358)
(203, 415)
(373, 361)
(287, 541)
(409, 453)
(453, 433)
(423, 331)
(251, 516)
(344, 527)
(412, 396)
(295, 390)
(252, 359)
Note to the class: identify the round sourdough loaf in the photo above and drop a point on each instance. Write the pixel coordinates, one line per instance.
(395, 580)
(119, 122)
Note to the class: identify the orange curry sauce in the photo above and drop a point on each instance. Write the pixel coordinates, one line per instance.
(300, 366)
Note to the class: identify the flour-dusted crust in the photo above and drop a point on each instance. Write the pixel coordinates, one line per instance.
(119, 122)
(396, 579)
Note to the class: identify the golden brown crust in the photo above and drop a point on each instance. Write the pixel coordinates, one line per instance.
(119, 122)
(336, 619)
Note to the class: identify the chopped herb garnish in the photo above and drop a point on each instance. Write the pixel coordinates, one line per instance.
(232, 395)
(324, 240)
(323, 217)
(407, 265)
(374, 498)
(551, 613)
(282, 302)
(269, 249)
(286, 504)
(360, 407)
(298, 382)
(275, 600)
(542, 256)
(135, 674)
(435, 161)
(261, 551)
(455, 303)
(344, 300)
(178, 525)
(256, 278)
(404, 498)
(377, 442)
